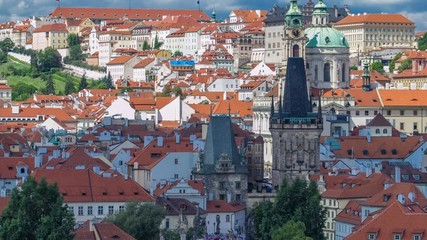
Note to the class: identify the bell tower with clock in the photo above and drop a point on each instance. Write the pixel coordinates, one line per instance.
(294, 35)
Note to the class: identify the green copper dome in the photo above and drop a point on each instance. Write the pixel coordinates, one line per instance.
(325, 37)
(320, 8)
(294, 9)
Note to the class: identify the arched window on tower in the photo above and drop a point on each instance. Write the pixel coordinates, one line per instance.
(316, 73)
(327, 72)
(344, 72)
(295, 50)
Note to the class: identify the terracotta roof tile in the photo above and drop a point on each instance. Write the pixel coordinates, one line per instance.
(374, 18)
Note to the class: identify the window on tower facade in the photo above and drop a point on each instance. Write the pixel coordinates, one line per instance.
(295, 51)
(327, 72)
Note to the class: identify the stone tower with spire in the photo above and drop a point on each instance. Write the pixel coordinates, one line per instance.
(295, 128)
(294, 34)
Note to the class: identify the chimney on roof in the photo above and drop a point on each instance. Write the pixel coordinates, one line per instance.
(135, 165)
(15, 109)
(397, 174)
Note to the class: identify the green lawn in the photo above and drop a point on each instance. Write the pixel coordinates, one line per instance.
(59, 77)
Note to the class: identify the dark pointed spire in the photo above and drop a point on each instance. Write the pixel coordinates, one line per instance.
(319, 109)
(272, 106)
(280, 106)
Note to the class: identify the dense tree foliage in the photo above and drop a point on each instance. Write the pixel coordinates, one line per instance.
(48, 59)
(406, 64)
(141, 220)
(22, 91)
(377, 66)
(393, 62)
(422, 43)
(177, 53)
(157, 44)
(146, 46)
(50, 84)
(108, 80)
(6, 45)
(353, 68)
(69, 87)
(36, 211)
(299, 201)
(83, 82)
(292, 230)
(73, 39)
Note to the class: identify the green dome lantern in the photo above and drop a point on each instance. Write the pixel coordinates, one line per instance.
(294, 17)
(325, 37)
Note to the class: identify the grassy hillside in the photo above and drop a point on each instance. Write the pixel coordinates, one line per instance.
(25, 76)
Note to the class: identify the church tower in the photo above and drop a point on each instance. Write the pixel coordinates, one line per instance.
(295, 128)
(294, 35)
(366, 77)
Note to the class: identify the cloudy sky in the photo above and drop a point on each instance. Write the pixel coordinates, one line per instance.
(416, 10)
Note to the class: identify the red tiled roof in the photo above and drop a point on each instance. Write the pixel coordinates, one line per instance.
(120, 60)
(144, 63)
(118, 13)
(87, 186)
(396, 218)
(8, 166)
(56, 27)
(104, 231)
(221, 206)
(406, 98)
(374, 18)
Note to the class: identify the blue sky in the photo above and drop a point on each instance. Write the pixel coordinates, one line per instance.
(416, 10)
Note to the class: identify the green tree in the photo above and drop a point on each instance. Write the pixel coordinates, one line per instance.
(177, 91)
(73, 39)
(422, 43)
(50, 85)
(353, 68)
(292, 230)
(3, 57)
(177, 53)
(6, 45)
(69, 87)
(170, 234)
(49, 58)
(377, 66)
(36, 211)
(34, 61)
(393, 61)
(83, 82)
(146, 46)
(76, 53)
(141, 220)
(22, 91)
(406, 64)
(157, 44)
(166, 91)
(299, 201)
(108, 80)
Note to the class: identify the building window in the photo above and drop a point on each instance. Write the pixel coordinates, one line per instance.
(89, 210)
(110, 210)
(327, 72)
(71, 209)
(80, 211)
(100, 210)
(415, 126)
(176, 160)
(222, 197)
(357, 113)
(397, 237)
(402, 126)
(415, 112)
(402, 112)
(366, 113)
(227, 218)
(238, 185)
(238, 197)
(416, 237)
(388, 112)
(377, 131)
(121, 208)
(167, 223)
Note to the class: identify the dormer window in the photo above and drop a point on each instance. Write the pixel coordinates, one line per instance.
(416, 237)
(372, 236)
(397, 236)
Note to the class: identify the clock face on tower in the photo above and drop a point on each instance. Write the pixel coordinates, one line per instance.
(296, 33)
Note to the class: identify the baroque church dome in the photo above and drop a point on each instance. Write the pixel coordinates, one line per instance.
(321, 35)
